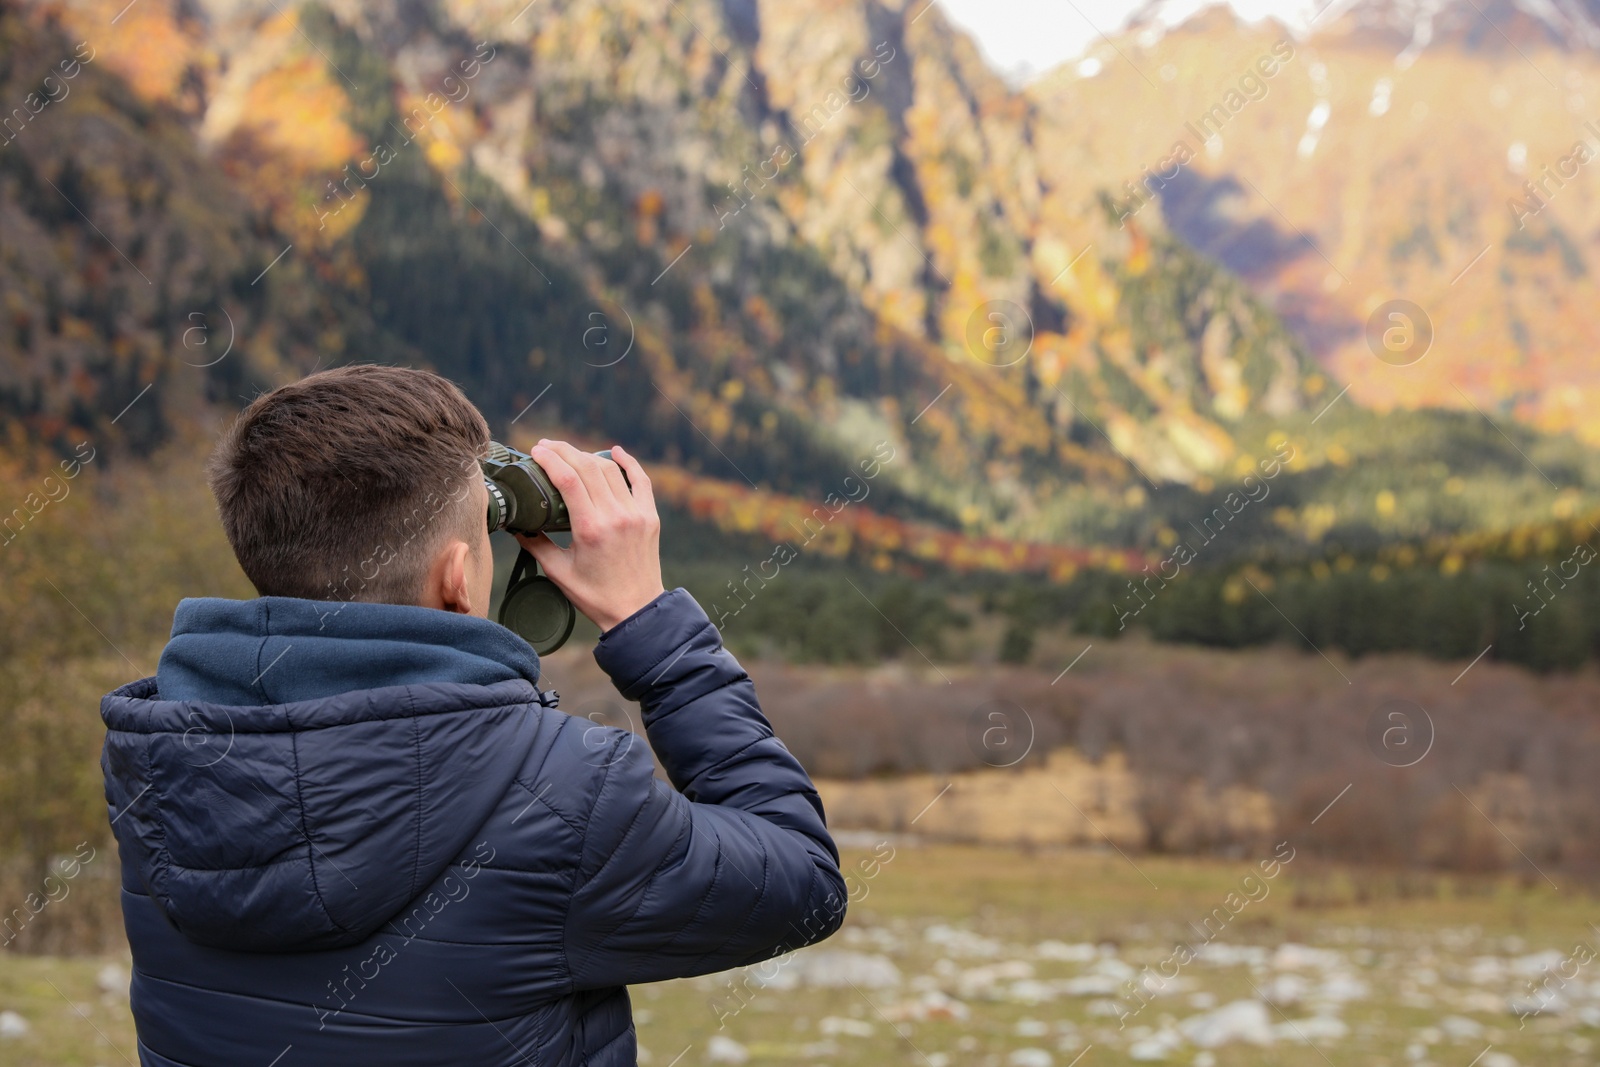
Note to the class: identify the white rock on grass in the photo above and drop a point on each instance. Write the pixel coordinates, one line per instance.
(12, 1024)
(1112, 967)
(1148, 1051)
(1030, 1057)
(1538, 964)
(1031, 991)
(834, 1025)
(1342, 986)
(1312, 1030)
(1243, 1020)
(986, 981)
(1498, 1059)
(1088, 985)
(826, 969)
(958, 942)
(1223, 954)
(1065, 953)
(1286, 989)
(1486, 970)
(1548, 1003)
(112, 980)
(724, 1049)
(1156, 1047)
(1461, 1028)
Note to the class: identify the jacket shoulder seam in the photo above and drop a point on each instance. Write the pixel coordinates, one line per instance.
(539, 795)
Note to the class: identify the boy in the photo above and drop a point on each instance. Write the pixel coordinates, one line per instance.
(353, 831)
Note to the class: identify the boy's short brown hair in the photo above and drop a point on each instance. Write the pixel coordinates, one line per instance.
(341, 486)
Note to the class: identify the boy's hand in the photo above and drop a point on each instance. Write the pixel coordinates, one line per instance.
(614, 565)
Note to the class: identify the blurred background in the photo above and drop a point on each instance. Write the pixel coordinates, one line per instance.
(1145, 453)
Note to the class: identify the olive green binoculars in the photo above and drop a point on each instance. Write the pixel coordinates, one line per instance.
(523, 500)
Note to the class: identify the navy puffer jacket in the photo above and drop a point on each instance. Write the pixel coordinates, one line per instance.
(358, 834)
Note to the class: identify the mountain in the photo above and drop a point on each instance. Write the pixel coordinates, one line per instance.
(1430, 153)
(757, 241)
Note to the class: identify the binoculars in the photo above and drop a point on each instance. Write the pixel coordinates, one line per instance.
(523, 500)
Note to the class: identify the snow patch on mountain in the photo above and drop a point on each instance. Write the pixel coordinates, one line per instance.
(1418, 23)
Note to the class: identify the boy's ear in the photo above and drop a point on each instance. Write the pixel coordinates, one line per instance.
(447, 587)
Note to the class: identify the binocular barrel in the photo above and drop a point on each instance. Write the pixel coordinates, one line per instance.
(522, 499)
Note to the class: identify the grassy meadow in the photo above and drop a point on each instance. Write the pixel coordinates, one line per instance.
(1010, 958)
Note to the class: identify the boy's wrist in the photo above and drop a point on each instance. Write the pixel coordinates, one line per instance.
(634, 652)
(624, 612)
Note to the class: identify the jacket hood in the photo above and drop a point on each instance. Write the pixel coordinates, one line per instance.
(298, 771)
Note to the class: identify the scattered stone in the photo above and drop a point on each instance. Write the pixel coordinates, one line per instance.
(1313, 1030)
(986, 981)
(826, 969)
(1286, 990)
(837, 1025)
(724, 1049)
(1030, 991)
(1088, 985)
(960, 942)
(1243, 1020)
(1156, 1047)
(112, 980)
(1065, 953)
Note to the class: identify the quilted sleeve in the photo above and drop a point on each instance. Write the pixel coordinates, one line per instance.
(730, 865)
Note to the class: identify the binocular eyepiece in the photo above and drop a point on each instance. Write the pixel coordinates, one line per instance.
(523, 500)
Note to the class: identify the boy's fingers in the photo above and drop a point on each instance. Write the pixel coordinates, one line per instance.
(612, 472)
(643, 492)
(588, 468)
(562, 475)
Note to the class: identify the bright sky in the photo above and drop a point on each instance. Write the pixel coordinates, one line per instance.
(1025, 38)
